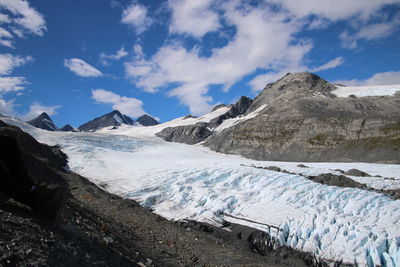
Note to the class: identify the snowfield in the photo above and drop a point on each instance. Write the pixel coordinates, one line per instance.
(183, 182)
(360, 91)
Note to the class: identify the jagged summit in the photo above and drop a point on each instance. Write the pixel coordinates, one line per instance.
(43, 121)
(146, 120)
(292, 86)
(114, 118)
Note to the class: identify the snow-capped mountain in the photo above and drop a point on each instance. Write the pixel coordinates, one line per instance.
(115, 119)
(146, 120)
(43, 121)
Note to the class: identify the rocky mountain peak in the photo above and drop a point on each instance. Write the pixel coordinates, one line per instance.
(68, 128)
(146, 120)
(293, 86)
(43, 121)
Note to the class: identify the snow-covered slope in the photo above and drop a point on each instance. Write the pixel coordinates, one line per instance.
(360, 91)
(191, 182)
(138, 131)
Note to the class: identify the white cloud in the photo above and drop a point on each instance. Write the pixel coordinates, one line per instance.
(135, 15)
(37, 108)
(333, 10)
(193, 17)
(105, 59)
(4, 33)
(382, 78)
(24, 16)
(7, 43)
(4, 18)
(369, 32)
(251, 48)
(329, 65)
(81, 68)
(7, 107)
(126, 105)
(11, 84)
(8, 62)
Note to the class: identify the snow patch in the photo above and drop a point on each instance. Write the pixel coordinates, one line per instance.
(360, 91)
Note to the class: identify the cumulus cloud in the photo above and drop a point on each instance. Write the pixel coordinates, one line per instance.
(126, 105)
(382, 78)
(37, 108)
(250, 48)
(8, 62)
(193, 17)
(135, 15)
(81, 68)
(105, 59)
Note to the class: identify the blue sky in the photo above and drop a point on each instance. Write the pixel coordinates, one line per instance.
(77, 60)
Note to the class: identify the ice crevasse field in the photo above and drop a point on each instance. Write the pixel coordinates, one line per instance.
(183, 182)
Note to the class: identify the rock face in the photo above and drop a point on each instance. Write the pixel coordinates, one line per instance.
(114, 118)
(146, 120)
(303, 121)
(193, 134)
(68, 128)
(43, 121)
(190, 134)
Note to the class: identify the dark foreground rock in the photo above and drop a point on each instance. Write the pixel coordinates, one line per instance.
(102, 229)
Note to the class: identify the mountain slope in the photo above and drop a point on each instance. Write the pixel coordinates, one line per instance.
(146, 120)
(114, 118)
(301, 120)
(68, 128)
(43, 121)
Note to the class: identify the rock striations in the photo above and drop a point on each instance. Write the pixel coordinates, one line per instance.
(297, 118)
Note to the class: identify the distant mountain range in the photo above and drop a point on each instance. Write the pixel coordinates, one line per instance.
(114, 118)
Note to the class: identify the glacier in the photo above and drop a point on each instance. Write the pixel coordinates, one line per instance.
(182, 182)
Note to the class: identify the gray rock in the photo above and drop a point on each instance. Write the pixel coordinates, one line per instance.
(190, 134)
(146, 120)
(302, 121)
(356, 172)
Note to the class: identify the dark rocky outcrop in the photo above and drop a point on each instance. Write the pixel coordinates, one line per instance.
(114, 118)
(356, 172)
(43, 121)
(189, 134)
(146, 120)
(193, 134)
(68, 128)
(303, 121)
